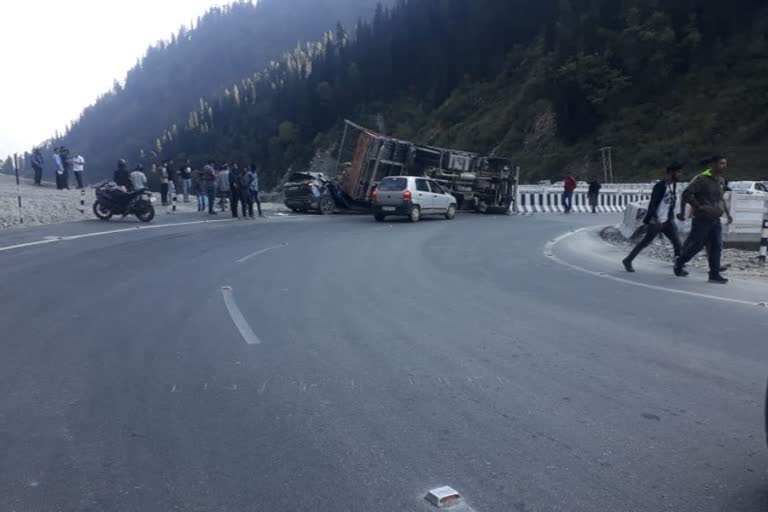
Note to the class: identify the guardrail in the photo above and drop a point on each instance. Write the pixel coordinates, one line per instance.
(550, 200)
(747, 211)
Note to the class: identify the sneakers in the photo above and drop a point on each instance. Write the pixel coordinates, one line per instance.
(628, 265)
(680, 271)
(718, 279)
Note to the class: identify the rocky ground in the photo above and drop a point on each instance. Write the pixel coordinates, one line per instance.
(742, 264)
(46, 205)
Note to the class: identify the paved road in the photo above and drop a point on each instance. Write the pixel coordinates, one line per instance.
(392, 358)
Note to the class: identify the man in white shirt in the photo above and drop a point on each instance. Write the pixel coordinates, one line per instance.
(660, 218)
(138, 178)
(78, 166)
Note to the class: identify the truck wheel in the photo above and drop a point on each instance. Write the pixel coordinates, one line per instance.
(415, 215)
(450, 214)
(327, 206)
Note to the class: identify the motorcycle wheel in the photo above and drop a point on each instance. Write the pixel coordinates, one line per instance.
(145, 212)
(102, 211)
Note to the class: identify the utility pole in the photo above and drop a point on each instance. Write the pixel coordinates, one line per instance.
(607, 154)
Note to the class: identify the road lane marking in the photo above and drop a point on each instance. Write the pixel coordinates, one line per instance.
(549, 253)
(262, 251)
(56, 239)
(237, 317)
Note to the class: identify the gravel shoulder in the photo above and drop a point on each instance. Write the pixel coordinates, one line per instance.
(741, 263)
(45, 205)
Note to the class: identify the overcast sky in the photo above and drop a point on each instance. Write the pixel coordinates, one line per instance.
(57, 57)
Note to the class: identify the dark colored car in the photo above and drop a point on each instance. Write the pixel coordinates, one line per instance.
(311, 191)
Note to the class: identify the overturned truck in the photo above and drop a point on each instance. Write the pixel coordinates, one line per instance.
(482, 184)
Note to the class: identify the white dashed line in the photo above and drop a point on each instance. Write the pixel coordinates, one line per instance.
(262, 251)
(237, 317)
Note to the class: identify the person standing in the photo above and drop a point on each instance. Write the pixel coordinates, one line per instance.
(37, 164)
(705, 194)
(234, 189)
(594, 193)
(138, 178)
(208, 181)
(58, 166)
(246, 178)
(660, 218)
(186, 180)
(78, 166)
(164, 182)
(254, 191)
(222, 185)
(569, 185)
(122, 177)
(66, 161)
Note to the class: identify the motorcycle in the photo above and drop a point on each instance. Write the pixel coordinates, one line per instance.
(113, 200)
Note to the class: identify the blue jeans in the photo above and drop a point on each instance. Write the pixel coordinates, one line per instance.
(202, 201)
(568, 201)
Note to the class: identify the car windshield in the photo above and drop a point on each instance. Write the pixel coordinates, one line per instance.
(741, 186)
(392, 184)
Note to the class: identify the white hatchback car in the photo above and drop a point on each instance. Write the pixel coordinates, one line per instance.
(752, 188)
(412, 197)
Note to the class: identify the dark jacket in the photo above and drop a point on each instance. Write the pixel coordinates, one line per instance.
(234, 181)
(123, 178)
(705, 195)
(594, 188)
(657, 195)
(37, 160)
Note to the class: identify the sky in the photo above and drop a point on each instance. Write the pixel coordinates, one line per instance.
(57, 57)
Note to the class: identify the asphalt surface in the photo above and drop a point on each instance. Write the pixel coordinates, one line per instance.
(389, 359)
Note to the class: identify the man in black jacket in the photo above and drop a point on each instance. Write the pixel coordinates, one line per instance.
(661, 215)
(122, 177)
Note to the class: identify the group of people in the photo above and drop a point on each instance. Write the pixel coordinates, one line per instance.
(63, 165)
(706, 196)
(230, 183)
(569, 187)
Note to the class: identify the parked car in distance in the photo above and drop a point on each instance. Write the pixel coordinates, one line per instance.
(755, 188)
(412, 197)
(310, 191)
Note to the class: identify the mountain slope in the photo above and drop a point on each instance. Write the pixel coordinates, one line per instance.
(225, 44)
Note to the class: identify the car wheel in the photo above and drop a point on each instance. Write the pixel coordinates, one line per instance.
(379, 217)
(415, 215)
(450, 214)
(327, 206)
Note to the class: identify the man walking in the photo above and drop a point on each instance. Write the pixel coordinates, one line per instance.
(660, 217)
(569, 185)
(138, 178)
(594, 193)
(78, 166)
(186, 180)
(254, 191)
(222, 186)
(208, 181)
(37, 165)
(705, 195)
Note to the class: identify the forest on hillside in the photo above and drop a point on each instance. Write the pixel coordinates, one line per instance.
(547, 83)
(223, 45)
